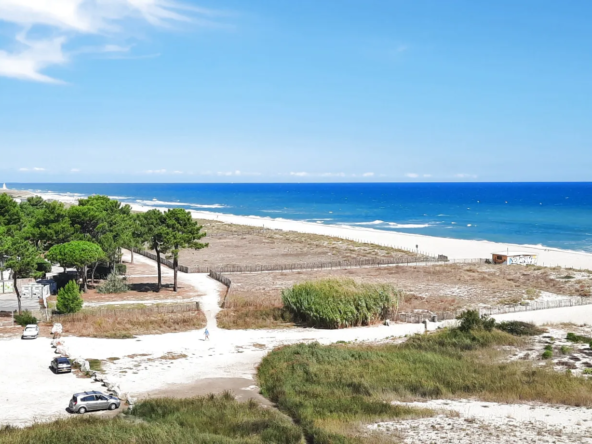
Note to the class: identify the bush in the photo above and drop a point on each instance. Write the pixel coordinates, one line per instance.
(565, 350)
(334, 303)
(69, 300)
(587, 371)
(113, 284)
(519, 328)
(547, 354)
(549, 348)
(470, 320)
(572, 337)
(43, 266)
(120, 269)
(25, 318)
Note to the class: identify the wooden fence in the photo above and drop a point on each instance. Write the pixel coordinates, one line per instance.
(416, 318)
(326, 265)
(125, 312)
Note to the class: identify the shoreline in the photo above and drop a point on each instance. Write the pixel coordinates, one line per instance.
(454, 249)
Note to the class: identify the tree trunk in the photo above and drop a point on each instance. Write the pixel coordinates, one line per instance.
(16, 290)
(92, 276)
(175, 268)
(84, 278)
(158, 267)
(132, 252)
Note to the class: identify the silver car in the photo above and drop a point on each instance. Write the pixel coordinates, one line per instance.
(31, 331)
(91, 401)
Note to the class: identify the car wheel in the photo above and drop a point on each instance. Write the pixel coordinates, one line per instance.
(82, 410)
(112, 406)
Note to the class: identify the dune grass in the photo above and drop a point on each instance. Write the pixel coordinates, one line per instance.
(129, 323)
(329, 390)
(211, 419)
(242, 311)
(340, 303)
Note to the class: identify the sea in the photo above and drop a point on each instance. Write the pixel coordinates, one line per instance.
(556, 215)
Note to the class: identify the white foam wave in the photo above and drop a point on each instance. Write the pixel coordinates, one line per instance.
(179, 204)
(396, 225)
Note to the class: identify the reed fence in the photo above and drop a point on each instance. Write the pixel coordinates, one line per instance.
(125, 312)
(416, 318)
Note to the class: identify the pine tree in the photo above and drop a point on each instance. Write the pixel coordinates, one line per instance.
(69, 300)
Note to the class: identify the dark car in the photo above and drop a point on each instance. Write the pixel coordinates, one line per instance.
(91, 401)
(61, 365)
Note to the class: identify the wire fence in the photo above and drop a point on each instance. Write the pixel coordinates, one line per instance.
(416, 318)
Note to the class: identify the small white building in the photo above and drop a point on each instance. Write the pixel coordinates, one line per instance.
(514, 258)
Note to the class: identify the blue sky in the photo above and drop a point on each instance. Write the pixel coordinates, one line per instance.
(295, 91)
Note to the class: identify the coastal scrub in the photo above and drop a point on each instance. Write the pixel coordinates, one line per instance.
(334, 303)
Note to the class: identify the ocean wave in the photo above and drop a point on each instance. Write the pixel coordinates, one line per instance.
(389, 224)
(396, 225)
(179, 204)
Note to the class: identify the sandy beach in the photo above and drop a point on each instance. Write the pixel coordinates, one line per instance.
(454, 249)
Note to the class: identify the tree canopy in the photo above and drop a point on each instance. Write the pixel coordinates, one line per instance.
(76, 254)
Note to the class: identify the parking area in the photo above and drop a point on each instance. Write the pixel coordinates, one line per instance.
(30, 390)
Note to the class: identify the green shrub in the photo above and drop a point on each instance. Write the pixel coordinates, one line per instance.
(519, 328)
(470, 320)
(549, 347)
(120, 269)
(43, 266)
(587, 371)
(547, 354)
(334, 303)
(69, 300)
(25, 318)
(114, 284)
(572, 337)
(565, 350)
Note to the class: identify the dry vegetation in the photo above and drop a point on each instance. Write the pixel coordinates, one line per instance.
(127, 323)
(243, 245)
(434, 287)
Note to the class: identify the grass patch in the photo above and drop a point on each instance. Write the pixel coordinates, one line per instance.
(519, 328)
(326, 389)
(211, 420)
(242, 312)
(335, 303)
(126, 324)
(95, 365)
(572, 337)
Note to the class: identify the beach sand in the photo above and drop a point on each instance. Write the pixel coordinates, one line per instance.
(454, 249)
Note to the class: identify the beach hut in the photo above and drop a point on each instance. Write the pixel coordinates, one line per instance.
(514, 258)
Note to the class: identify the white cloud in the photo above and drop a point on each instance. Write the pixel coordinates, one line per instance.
(75, 170)
(332, 174)
(367, 174)
(32, 169)
(53, 20)
(163, 171)
(177, 172)
(299, 173)
(33, 56)
(465, 176)
(412, 175)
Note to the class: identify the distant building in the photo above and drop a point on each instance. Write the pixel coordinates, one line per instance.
(514, 258)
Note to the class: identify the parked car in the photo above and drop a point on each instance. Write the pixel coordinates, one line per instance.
(91, 401)
(31, 331)
(61, 365)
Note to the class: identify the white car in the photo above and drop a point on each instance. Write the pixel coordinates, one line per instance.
(31, 331)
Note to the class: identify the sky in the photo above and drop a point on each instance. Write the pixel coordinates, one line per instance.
(295, 91)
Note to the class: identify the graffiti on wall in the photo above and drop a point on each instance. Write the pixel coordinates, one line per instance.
(522, 260)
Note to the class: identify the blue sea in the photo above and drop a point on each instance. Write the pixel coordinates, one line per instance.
(555, 215)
